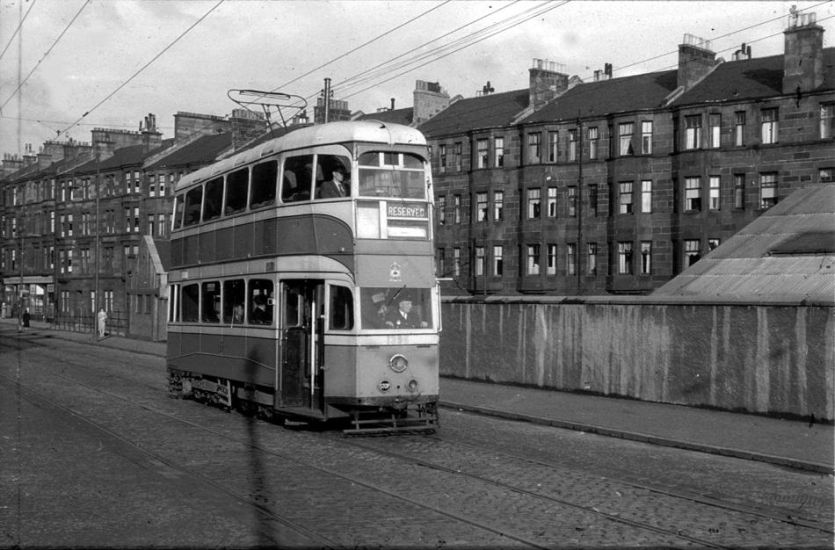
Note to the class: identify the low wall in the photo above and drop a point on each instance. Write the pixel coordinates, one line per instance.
(762, 358)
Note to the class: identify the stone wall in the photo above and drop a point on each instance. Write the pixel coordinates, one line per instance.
(761, 358)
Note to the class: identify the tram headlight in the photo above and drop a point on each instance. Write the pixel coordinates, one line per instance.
(398, 363)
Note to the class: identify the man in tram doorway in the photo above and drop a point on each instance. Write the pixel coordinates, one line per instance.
(101, 322)
(404, 316)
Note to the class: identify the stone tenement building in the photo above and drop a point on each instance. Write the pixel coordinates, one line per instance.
(617, 185)
(564, 187)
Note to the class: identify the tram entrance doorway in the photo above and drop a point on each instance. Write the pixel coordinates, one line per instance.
(302, 311)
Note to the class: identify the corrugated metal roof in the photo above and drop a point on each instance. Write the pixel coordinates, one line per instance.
(746, 266)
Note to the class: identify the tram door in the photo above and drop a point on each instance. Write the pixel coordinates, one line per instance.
(302, 308)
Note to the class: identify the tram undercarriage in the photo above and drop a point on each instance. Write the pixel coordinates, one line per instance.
(395, 415)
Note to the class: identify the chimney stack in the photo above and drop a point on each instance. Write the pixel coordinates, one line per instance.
(547, 81)
(429, 100)
(695, 60)
(803, 56)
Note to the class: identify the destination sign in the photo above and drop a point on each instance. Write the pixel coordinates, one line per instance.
(406, 210)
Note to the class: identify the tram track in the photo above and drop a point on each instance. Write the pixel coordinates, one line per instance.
(371, 445)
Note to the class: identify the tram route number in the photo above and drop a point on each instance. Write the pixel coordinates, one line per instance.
(406, 210)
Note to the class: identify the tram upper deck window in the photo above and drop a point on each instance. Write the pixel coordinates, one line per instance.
(263, 184)
(396, 308)
(194, 198)
(390, 174)
(236, 190)
(213, 199)
(297, 178)
(333, 176)
(179, 207)
(191, 303)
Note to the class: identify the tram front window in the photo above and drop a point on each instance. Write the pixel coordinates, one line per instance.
(396, 308)
(388, 174)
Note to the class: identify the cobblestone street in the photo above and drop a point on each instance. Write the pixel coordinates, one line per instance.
(96, 454)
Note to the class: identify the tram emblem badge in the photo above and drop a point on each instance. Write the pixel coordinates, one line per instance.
(394, 272)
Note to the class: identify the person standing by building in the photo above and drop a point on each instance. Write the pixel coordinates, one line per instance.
(101, 321)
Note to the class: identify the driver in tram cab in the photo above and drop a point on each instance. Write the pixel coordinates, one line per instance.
(337, 186)
(404, 316)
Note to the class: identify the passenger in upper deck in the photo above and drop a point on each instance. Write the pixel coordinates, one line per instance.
(338, 186)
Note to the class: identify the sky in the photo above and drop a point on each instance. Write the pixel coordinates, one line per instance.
(74, 65)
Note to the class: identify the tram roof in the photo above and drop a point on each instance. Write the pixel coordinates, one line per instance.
(368, 131)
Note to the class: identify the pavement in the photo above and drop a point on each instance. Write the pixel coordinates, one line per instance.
(791, 443)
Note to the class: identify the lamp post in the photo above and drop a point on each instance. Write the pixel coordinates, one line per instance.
(97, 303)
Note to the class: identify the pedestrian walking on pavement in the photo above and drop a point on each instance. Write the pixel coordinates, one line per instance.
(101, 319)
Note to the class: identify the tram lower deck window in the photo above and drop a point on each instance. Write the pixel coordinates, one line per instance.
(396, 308)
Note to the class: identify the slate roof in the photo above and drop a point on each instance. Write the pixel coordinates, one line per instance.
(604, 97)
(199, 152)
(397, 116)
(748, 79)
(489, 111)
(785, 255)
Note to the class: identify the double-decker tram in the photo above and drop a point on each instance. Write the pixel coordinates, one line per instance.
(302, 280)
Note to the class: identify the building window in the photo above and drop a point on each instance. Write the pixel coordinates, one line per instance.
(442, 158)
(482, 153)
(625, 130)
(498, 206)
(457, 153)
(625, 258)
(456, 209)
(625, 197)
(739, 128)
(827, 120)
(691, 252)
(498, 151)
(714, 128)
(593, 199)
(572, 145)
(534, 148)
(456, 262)
(646, 137)
(826, 175)
(552, 202)
(571, 259)
(646, 196)
(646, 257)
(534, 203)
(768, 190)
(692, 131)
(498, 261)
(712, 244)
(442, 262)
(479, 261)
(551, 267)
(442, 210)
(572, 201)
(769, 126)
(533, 259)
(594, 143)
(739, 191)
(151, 224)
(692, 194)
(552, 146)
(713, 193)
(591, 253)
(481, 207)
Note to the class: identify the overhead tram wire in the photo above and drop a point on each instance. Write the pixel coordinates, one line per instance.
(45, 55)
(437, 52)
(367, 74)
(467, 45)
(360, 46)
(145, 66)
(17, 30)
